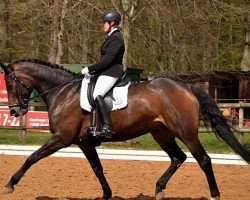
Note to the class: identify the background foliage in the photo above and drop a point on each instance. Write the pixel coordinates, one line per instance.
(161, 35)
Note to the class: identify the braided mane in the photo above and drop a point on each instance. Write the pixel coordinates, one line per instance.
(42, 62)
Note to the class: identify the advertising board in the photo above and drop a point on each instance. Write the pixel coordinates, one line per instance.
(7, 120)
(33, 119)
(3, 92)
(36, 118)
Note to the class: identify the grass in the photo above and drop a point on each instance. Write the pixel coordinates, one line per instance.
(12, 137)
(210, 142)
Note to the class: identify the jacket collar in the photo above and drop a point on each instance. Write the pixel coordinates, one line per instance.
(113, 31)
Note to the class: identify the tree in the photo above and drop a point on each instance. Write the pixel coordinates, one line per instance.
(172, 36)
(56, 50)
(245, 63)
(4, 30)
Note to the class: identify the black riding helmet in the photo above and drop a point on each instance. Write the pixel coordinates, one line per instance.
(111, 15)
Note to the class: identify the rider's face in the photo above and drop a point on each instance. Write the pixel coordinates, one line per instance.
(105, 26)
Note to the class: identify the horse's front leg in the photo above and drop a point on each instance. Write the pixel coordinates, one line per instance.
(51, 146)
(92, 156)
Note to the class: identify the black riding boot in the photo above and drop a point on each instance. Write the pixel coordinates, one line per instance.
(106, 132)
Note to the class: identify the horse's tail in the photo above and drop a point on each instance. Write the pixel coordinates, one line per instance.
(211, 113)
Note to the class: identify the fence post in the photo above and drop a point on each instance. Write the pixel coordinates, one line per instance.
(23, 133)
(241, 121)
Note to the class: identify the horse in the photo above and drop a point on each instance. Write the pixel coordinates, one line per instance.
(163, 107)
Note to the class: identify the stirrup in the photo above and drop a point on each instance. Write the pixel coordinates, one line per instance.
(92, 130)
(105, 133)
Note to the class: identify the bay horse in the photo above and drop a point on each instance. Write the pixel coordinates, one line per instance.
(163, 107)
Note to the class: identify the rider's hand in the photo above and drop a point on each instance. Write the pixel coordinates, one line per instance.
(85, 70)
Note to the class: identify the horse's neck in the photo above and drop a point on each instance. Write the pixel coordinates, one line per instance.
(49, 84)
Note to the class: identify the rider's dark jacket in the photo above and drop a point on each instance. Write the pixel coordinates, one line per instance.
(112, 51)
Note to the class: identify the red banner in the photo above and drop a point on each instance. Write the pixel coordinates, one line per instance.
(7, 120)
(33, 119)
(3, 91)
(36, 118)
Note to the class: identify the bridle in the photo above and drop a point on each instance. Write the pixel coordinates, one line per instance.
(23, 103)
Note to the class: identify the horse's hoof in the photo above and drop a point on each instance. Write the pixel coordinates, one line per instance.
(159, 196)
(215, 198)
(9, 190)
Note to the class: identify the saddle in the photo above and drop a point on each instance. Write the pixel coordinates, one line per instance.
(109, 96)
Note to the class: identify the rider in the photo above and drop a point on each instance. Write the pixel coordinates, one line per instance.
(109, 68)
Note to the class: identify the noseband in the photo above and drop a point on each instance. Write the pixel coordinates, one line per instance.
(23, 103)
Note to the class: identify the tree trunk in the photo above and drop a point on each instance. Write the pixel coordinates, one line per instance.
(85, 48)
(128, 8)
(4, 30)
(245, 63)
(244, 85)
(171, 64)
(56, 51)
(207, 53)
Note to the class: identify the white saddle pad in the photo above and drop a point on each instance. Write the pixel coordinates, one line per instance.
(120, 95)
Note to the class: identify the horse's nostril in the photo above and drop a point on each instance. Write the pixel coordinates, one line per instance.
(13, 113)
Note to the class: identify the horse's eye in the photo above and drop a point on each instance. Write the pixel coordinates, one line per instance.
(9, 87)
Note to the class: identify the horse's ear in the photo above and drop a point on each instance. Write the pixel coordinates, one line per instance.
(6, 69)
(3, 66)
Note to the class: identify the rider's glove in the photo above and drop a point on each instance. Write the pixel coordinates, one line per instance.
(85, 70)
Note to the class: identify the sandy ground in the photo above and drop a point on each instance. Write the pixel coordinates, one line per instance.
(72, 179)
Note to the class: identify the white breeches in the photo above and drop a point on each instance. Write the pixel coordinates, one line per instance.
(103, 85)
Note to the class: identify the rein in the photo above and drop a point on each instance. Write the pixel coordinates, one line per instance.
(50, 90)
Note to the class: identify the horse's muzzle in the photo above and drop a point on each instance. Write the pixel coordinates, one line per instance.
(16, 112)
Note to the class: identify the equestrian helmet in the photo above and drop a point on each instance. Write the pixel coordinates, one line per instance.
(111, 15)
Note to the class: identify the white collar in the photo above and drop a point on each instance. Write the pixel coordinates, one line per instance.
(114, 29)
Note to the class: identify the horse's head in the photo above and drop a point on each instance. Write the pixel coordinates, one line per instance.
(19, 89)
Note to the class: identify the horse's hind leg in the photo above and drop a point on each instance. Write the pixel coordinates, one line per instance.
(54, 144)
(204, 161)
(93, 158)
(177, 157)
